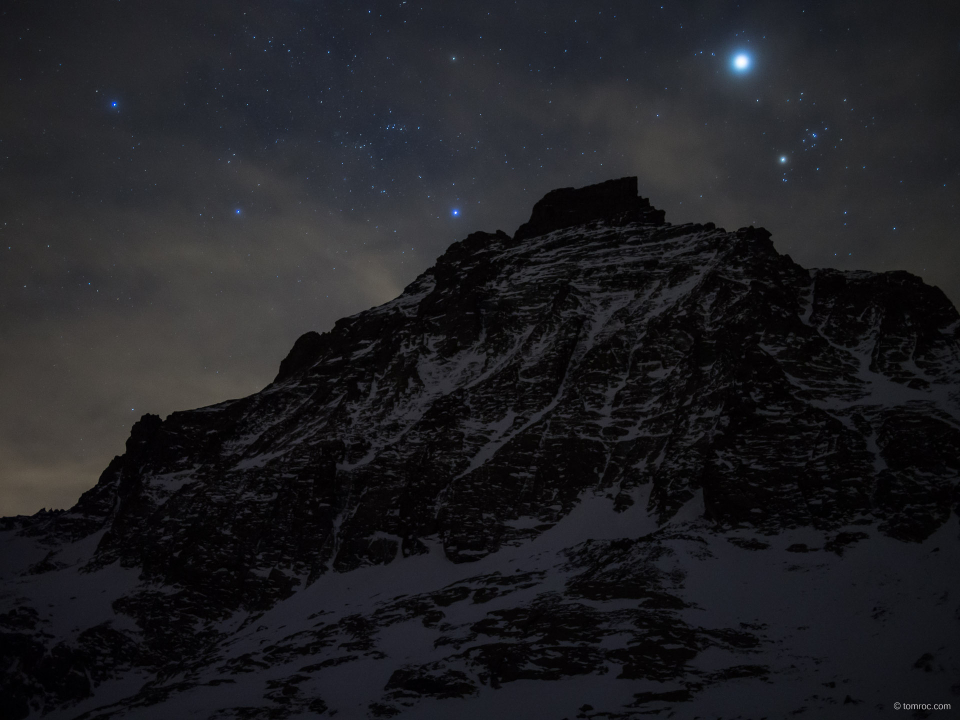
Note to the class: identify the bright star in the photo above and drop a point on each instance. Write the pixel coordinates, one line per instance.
(741, 62)
(455, 212)
(783, 159)
(237, 211)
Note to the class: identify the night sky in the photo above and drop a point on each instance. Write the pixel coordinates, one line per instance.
(186, 187)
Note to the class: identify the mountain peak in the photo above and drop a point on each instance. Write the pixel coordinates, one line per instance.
(579, 458)
(615, 200)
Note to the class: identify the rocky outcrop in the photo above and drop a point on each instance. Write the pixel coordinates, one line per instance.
(303, 354)
(614, 202)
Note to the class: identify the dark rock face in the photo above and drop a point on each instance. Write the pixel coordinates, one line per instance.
(304, 353)
(614, 202)
(680, 371)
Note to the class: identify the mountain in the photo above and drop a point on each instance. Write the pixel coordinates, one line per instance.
(608, 467)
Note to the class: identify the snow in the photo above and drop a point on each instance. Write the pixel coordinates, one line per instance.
(815, 611)
(71, 599)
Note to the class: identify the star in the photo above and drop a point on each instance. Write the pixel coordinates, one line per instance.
(783, 159)
(455, 212)
(741, 62)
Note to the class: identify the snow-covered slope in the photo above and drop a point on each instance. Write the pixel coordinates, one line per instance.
(604, 468)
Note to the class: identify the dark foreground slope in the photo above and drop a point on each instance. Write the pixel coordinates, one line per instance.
(605, 466)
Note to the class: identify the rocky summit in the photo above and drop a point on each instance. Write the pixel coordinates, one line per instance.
(608, 467)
